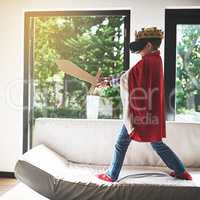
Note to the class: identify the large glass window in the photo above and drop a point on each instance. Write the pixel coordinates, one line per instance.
(182, 64)
(91, 40)
(188, 72)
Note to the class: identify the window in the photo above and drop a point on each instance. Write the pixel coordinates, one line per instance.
(182, 64)
(89, 39)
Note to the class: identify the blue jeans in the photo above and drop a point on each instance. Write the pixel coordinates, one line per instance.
(121, 146)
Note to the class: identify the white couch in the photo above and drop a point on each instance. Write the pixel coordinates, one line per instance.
(67, 154)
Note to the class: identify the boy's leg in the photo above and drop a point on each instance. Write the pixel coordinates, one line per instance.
(169, 157)
(120, 149)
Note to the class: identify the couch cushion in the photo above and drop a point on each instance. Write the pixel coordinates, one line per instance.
(73, 138)
(56, 178)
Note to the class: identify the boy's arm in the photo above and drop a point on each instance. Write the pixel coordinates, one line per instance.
(114, 80)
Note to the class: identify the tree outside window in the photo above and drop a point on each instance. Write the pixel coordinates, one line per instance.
(188, 72)
(91, 42)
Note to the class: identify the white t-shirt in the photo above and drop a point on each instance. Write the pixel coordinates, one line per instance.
(124, 98)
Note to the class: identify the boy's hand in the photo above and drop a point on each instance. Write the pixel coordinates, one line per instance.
(103, 83)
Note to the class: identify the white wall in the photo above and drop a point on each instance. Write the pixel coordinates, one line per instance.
(144, 12)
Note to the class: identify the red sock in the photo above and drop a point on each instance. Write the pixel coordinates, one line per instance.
(104, 177)
(185, 175)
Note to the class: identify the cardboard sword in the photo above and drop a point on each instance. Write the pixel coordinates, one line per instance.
(70, 68)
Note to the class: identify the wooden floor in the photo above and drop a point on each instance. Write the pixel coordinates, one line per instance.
(6, 184)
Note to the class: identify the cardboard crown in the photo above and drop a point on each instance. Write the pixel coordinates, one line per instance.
(151, 32)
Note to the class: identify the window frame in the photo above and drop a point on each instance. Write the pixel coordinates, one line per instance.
(28, 60)
(173, 17)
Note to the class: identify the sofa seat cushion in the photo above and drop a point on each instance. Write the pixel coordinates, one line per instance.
(51, 175)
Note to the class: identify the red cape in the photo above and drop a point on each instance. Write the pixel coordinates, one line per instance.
(146, 99)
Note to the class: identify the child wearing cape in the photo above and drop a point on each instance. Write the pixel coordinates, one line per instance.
(142, 94)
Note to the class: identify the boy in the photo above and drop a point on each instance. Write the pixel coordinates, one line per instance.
(142, 93)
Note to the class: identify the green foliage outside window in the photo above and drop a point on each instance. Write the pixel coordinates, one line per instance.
(91, 42)
(188, 69)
